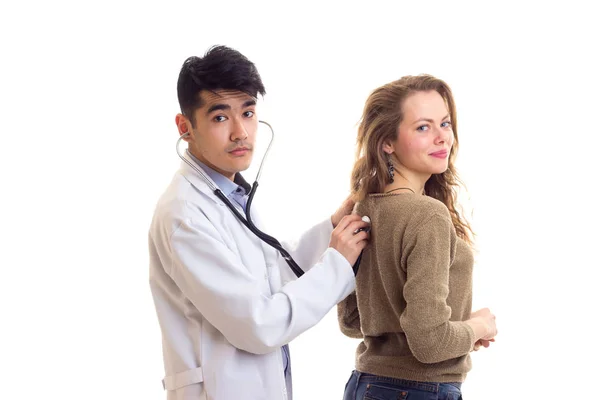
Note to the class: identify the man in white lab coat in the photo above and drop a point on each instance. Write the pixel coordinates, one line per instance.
(227, 303)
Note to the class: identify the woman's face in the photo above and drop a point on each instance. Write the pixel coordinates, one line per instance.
(425, 135)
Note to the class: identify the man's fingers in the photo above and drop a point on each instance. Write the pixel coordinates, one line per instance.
(357, 226)
(362, 236)
(347, 220)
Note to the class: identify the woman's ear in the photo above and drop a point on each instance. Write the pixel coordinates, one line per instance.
(388, 148)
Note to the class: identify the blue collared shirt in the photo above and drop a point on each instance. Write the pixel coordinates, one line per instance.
(238, 191)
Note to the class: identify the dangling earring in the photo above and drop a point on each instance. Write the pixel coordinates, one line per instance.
(390, 167)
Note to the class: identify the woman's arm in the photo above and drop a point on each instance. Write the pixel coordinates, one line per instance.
(349, 318)
(427, 254)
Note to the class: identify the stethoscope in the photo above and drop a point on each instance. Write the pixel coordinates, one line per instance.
(247, 220)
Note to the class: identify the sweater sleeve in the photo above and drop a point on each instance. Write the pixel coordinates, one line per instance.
(349, 317)
(428, 254)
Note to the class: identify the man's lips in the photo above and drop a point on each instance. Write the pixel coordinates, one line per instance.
(240, 151)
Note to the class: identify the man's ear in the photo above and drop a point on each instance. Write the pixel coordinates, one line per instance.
(184, 126)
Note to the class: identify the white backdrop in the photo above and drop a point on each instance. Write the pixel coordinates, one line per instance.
(88, 100)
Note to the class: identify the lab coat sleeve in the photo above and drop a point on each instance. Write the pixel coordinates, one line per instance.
(214, 279)
(307, 249)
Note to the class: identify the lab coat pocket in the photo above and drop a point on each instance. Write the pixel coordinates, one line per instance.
(185, 378)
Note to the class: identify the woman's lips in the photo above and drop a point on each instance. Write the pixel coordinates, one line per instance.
(440, 154)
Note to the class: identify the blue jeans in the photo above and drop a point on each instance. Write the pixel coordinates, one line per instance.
(362, 386)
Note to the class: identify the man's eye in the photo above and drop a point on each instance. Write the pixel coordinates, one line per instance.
(249, 114)
(220, 118)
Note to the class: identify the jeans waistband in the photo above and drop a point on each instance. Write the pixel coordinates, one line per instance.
(425, 386)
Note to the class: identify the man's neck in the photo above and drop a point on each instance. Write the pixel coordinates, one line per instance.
(197, 157)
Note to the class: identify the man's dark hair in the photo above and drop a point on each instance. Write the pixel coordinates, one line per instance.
(221, 68)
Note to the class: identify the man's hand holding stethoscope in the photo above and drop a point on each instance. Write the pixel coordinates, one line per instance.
(350, 236)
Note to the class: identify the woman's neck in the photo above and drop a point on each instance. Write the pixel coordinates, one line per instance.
(406, 183)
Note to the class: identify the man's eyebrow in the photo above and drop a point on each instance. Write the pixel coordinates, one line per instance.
(219, 106)
(216, 107)
(249, 103)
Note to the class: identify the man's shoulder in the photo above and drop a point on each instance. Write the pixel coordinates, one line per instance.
(182, 200)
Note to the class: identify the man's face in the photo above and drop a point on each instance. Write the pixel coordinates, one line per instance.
(224, 132)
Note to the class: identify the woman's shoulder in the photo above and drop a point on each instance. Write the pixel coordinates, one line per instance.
(417, 205)
(428, 205)
(405, 211)
(429, 217)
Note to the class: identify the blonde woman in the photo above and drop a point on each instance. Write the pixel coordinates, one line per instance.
(412, 304)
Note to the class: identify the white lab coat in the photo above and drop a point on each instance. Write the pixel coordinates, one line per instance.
(226, 302)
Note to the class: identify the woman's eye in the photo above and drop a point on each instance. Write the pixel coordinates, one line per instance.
(446, 124)
(423, 128)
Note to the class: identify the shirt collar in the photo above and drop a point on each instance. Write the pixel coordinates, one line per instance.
(228, 187)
